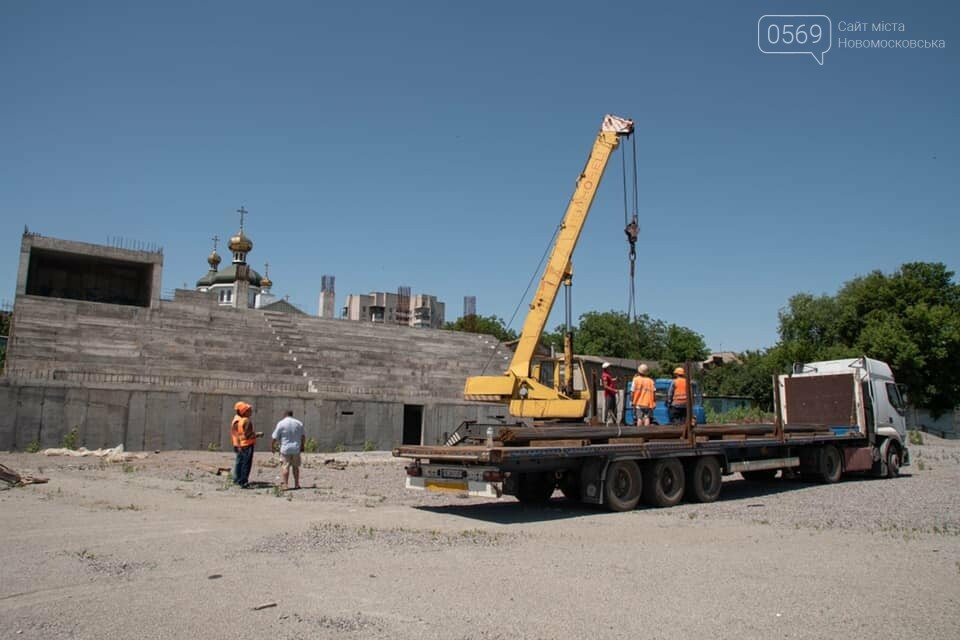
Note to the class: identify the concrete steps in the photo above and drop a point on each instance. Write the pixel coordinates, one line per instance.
(199, 344)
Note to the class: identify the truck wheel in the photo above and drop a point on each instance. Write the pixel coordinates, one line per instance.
(703, 480)
(535, 488)
(893, 461)
(831, 464)
(622, 485)
(760, 475)
(663, 483)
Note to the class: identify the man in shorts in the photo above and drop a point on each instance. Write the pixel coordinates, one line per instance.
(290, 437)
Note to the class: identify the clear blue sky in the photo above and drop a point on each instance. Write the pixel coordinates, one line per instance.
(436, 145)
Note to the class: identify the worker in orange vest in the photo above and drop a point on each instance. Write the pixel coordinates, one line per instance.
(643, 396)
(244, 440)
(677, 397)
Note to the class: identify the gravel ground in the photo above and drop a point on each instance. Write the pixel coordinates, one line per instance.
(161, 548)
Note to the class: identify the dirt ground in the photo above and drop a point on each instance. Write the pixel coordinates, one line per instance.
(162, 548)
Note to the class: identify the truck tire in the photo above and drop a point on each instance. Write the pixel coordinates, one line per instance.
(893, 461)
(831, 464)
(535, 488)
(663, 482)
(622, 486)
(703, 480)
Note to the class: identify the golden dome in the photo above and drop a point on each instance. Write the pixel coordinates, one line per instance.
(265, 281)
(241, 243)
(213, 259)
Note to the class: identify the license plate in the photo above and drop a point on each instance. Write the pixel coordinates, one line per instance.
(452, 474)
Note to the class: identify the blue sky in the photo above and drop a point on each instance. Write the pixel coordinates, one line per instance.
(436, 144)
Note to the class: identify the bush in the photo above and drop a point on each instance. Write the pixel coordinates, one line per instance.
(71, 439)
(311, 446)
(742, 415)
(33, 447)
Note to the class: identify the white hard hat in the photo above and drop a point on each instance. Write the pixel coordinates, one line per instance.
(605, 365)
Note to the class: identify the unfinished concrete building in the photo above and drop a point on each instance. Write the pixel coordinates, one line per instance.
(93, 346)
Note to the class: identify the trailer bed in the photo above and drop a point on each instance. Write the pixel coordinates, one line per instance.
(518, 457)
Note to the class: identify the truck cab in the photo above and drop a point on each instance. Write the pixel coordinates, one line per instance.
(876, 406)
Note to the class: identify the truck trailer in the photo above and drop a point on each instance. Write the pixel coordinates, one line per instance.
(833, 418)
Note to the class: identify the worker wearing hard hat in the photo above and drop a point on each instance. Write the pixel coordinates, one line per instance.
(643, 396)
(677, 397)
(244, 439)
(609, 384)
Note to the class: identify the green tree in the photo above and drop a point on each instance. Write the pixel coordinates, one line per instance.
(682, 344)
(491, 325)
(612, 333)
(608, 333)
(751, 377)
(910, 319)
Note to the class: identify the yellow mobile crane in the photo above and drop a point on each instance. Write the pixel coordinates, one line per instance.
(519, 386)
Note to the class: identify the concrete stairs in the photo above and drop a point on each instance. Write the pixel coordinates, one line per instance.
(196, 345)
(386, 361)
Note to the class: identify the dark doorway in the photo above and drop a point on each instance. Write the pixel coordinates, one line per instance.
(412, 424)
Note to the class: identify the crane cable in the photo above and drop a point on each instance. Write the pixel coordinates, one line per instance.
(523, 297)
(631, 229)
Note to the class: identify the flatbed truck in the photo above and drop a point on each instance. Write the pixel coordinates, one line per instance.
(833, 418)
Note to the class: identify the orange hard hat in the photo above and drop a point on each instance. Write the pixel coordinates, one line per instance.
(678, 371)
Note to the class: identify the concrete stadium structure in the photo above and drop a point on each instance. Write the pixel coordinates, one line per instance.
(92, 346)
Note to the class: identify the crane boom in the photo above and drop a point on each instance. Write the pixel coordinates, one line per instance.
(527, 396)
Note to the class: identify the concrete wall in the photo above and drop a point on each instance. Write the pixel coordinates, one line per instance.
(147, 420)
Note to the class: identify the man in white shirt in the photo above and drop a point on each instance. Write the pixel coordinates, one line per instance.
(290, 437)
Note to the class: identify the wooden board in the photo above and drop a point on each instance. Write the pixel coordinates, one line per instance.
(570, 442)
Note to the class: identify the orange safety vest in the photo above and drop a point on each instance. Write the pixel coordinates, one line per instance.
(238, 430)
(241, 426)
(644, 392)
(680, 391)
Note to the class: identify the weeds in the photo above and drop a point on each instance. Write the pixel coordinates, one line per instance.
(213, 446)
(128, 468)
(187, 477)
(339, 448)
(71, 439)
(33, 447)
(311, 446)
(747, 415)
(129, 507)
(369, 445)
(914, 437)
(920, 465)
